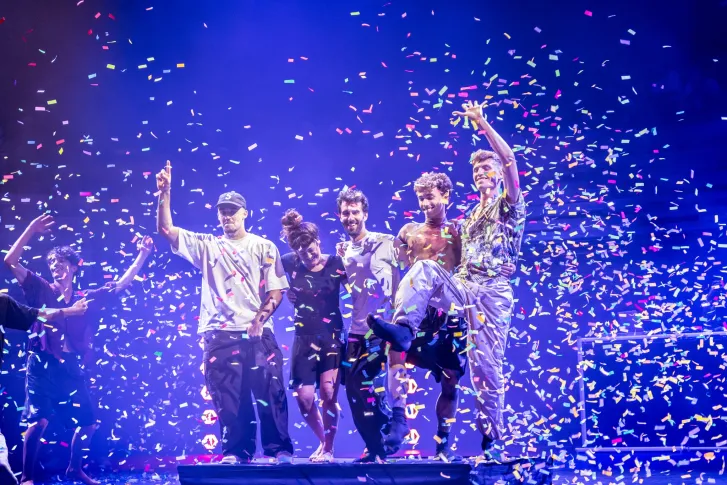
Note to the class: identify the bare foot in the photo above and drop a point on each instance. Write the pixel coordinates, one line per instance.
(80, 476)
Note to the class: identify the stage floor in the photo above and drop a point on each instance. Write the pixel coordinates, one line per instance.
(560, 477)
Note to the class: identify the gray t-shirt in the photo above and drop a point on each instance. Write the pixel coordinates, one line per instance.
(370, 265)
(236, 274)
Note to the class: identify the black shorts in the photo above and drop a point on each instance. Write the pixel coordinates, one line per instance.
(442, 348)
(312, 356)
(54, 388)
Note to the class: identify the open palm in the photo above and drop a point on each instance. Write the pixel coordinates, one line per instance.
(42, 224)
(473, 111)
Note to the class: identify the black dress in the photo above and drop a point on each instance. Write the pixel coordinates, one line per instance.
(318, 342)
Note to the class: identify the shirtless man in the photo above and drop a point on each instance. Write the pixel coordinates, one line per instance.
(492, 236)
(436, 239)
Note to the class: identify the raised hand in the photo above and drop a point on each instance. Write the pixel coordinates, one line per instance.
(473, 111)
(341, 248)
(145, 246)
(42, 224)
(164, 178)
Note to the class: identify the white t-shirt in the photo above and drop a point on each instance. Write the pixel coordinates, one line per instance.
(236, 274)
(370, 264)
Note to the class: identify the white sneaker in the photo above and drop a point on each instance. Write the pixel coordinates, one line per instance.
(229, 460)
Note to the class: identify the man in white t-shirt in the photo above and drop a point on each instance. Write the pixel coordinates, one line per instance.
(241, 356)
(371, 267)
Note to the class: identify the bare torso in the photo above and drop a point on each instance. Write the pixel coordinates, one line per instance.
(437, 243)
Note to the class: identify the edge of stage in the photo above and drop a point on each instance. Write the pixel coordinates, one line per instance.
(532, 471)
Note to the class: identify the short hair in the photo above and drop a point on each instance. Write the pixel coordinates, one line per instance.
(484, 155)
(434, 180)
(353, 196)
(64, 252)
(298, 233)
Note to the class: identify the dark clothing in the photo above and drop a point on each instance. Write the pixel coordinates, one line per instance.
(236, 368)
(317, 295)
(312, 356)
(16, 316)
(442, 347)
(55, 381)
(364, 377)
(56, 387)
(76, 331)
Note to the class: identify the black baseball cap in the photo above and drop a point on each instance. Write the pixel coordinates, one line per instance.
(232, 199)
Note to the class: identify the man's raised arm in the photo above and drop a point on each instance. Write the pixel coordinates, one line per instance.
(39, 225)
(145, 247)
(510, 176)
(165, 227)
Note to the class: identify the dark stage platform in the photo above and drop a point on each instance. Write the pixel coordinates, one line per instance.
(520, 471)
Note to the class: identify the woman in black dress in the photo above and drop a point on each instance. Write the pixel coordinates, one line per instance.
(315, 286)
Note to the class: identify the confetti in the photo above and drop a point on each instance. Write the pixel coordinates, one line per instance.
(622, 256)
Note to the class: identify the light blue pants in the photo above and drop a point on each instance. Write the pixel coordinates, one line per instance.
(487, 308)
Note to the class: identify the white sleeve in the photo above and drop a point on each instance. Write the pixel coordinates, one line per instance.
(192, 246)
(272, 268)
(389, 250)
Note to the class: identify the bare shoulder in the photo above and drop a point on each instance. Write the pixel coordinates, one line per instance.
(454, 227)
(406, 230)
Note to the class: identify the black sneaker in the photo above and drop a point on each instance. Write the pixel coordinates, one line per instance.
(371, 458)
(446, 455)
(399, 336)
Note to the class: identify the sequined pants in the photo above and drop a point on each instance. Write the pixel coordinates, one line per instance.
(487, 307)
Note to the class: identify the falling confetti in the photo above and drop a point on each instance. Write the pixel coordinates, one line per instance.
(605, 279)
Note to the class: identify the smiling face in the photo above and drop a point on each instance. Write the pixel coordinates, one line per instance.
(432, 202)
(353, 218)
(61, 269)
(487, 175)
(231, 219)
(310, 255)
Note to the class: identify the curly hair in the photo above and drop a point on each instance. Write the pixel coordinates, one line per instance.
(298, 233)
(483, 155)
(434, 180)
(66, 253)
(353, 196)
